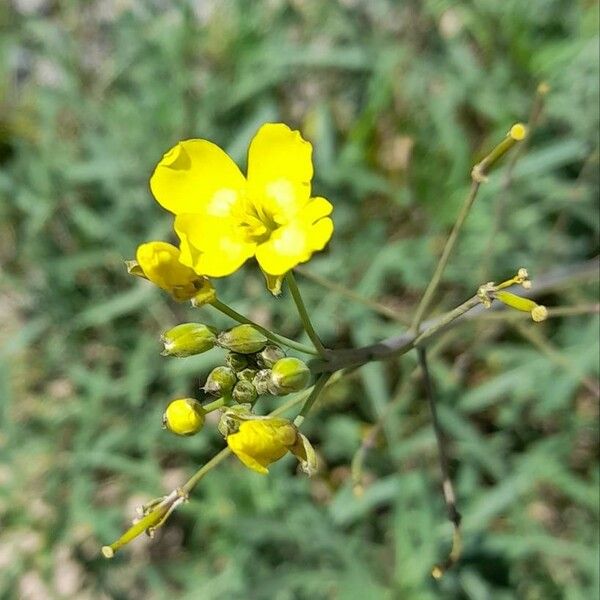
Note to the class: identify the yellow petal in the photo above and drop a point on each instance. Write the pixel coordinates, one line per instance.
(316, 209)
(212, 246)
(247, 460)
(293, 244)
(161, 265)
(197, 176)
(279, 171)
(260, 442)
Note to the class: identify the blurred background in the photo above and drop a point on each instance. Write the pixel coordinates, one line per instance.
(399, 100)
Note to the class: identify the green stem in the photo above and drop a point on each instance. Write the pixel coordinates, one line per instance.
(441, 266)
(215, 405)
(274, 337)
(478, 176)
(317, 388)
(306, 322)
(342, 290)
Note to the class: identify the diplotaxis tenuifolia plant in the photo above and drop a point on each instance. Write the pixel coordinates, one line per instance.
(223, 219)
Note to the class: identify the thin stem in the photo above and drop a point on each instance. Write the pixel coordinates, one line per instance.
(274, 337)
(306, 322)
(193, 481)
(342, 290)
(395, 346)
(448, 489)
(446, 319)
(317, 388)
(403, 343)
(215, 405)
(478, 175)
(507, 180)
(449, 246)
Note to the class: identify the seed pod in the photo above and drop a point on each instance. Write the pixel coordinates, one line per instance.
(184, 416)
(269, 355)
(244, 339)
(288, 375)
(261, 381)
(220, 381)
(235, 361)
(244, 392)
(188, 339)
(247, 374)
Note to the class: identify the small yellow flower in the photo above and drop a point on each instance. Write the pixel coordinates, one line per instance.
(223, 218)
(264, 440)
(159, 262)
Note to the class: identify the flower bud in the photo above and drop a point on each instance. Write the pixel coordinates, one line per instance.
(220, 381)
(261, 381)
(269, 355)
(244, 392)
(237, 362)
(184, 416)
(247, 374)
(288, 375)
(244, 339)
(188, 339)
(232, 417)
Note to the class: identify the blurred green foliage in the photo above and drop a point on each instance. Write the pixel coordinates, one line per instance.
(399, 100)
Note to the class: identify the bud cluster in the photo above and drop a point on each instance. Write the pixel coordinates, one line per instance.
(253, 367)
(246, 376)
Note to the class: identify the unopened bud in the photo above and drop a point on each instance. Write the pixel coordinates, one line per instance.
(237, 362)
(188, 339)
(269, 355)
(220, 381)
(247, 374)
(288, 375)
(184, 416)
(244, 392)
(244, 339)
(261, 381)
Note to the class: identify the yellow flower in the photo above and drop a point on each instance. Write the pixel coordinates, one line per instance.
(262, 441)
(223, 218)
(159, 262)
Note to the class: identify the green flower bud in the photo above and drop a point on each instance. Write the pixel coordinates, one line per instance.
(188, 339)
(237, 362)
(220, 381)
(261, 381)
(288, 375)
(247, 374)
(244, 339)
(269, 355)
(244, 392)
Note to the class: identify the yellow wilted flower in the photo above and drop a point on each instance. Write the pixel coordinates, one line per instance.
(262, 441)
(159, 262)
(223, 218)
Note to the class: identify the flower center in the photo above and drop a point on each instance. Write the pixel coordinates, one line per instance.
(257, 223)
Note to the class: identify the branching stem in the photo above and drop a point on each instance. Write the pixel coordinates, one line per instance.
(478, 176)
